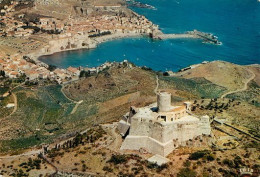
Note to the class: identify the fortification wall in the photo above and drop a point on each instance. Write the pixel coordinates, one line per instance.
(168, 133)
(150, 144)
(135, 142)
(163, 133)
(140, 127)
(204, 125)
(156, 130)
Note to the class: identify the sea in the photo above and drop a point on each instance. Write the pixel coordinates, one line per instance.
(235, 23)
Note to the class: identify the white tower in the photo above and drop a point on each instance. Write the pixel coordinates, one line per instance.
(164, 101)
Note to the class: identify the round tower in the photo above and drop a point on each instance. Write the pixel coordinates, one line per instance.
(164, 101)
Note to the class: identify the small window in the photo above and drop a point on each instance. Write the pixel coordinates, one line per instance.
(164, 118)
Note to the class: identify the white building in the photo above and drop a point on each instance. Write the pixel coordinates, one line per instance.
(162, 128)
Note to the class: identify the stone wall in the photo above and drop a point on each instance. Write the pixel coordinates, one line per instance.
(148, 143)
(163, 138)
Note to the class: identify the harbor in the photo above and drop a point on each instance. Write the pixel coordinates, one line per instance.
(206, 37)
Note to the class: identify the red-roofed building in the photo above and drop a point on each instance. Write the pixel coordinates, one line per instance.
(73, 71)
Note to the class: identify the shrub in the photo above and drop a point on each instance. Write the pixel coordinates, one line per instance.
(187, 163)
(108, 169)
(199, 154)
(84, 167)
(117, 159)
(238, 161)
(151, 165)
(186, 172)
(210, 157)
(228, 162)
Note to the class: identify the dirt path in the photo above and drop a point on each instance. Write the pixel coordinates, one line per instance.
(76, 107)
(29, 153)
(157, 85)
(15, 104)
(241, 89)
(77, 103)
(15, 101)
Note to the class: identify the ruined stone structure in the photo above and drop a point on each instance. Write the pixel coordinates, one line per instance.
(162, 128)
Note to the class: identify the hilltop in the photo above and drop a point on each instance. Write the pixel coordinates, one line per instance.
(51, 114)
(223, 73)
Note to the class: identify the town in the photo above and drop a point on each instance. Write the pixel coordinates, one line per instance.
(62, 35)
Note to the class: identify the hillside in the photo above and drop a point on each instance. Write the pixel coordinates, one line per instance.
(48, 113)
(228, 75)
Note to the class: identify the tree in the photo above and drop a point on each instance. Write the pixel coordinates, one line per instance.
(52, 67)
(2, 73)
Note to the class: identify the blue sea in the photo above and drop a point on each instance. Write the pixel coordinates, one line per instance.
(235, 22)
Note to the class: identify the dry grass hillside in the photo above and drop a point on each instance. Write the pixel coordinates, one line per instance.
(256, 70)
(222, 73)
(64, 9)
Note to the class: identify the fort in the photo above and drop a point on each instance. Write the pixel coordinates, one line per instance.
(161, 128)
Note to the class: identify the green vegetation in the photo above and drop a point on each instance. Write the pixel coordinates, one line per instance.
(251, 95)
(197, 86)
(227, 173)
(3, 90)
(3, 110)
(45, 106)
(155, 166)
(108, 169)
(198, 155)
(204, 154)
(118, 159)
(91, 136)
(186, 172)
(235, 163)
(45, 109)
(20, 143)
(31, 164)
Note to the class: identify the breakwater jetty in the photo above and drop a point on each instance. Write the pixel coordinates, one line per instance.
(206, 37)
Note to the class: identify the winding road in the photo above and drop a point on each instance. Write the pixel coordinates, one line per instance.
(15, 99)
(241, 89)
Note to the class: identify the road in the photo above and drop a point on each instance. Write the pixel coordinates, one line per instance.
(29, 153)
(77, 103)
(157, 85)
(15, 104)
(241, 89)
(15, 99)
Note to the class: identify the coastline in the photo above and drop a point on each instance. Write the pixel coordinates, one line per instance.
(92, 44)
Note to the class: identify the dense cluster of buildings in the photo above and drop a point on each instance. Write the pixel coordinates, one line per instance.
(113, 24)
(15, 26)
(11, 26)
(72, 33)
(17, 67)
